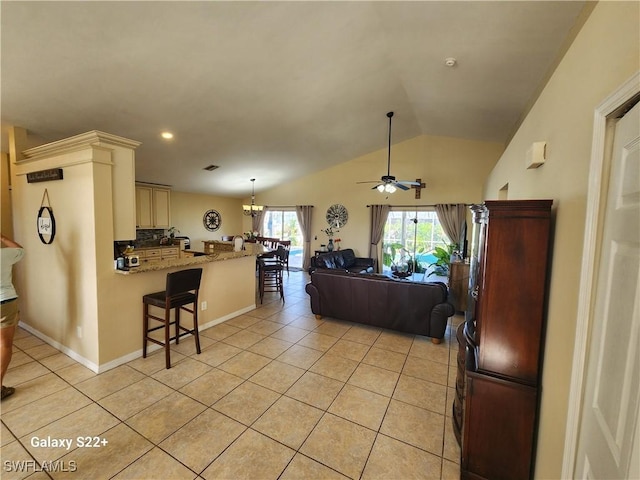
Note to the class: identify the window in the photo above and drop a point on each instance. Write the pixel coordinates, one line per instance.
(283, 224)
(417, 232)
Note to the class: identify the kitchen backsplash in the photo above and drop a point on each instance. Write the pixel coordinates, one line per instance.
(149, 237)
(144, 238)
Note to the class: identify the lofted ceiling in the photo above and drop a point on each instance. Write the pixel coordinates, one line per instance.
(272, 90)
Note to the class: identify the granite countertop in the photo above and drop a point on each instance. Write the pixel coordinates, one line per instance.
(147, 247)
(188, 261)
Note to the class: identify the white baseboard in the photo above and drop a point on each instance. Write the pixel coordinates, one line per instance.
(128, 357)
(58, 346)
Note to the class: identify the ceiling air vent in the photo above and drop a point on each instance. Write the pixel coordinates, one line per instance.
(211, 168)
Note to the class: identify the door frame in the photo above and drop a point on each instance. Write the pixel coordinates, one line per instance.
(596, 203)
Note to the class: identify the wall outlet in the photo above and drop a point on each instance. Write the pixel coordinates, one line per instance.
(79, 332)
(203, 306)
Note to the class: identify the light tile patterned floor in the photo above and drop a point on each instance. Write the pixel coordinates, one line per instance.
(275, 394)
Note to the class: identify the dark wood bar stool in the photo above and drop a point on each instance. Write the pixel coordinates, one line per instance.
(286, 244)
(181, 290)
(270, 273)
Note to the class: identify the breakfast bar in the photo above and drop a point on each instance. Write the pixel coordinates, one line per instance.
(190, 261)
(227, 289)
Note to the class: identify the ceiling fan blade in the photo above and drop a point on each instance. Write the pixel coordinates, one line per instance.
(370, 181)
(405, 182)
(401, 186)
(376, 186)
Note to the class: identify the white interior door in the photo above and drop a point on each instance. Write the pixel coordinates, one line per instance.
(610, 423)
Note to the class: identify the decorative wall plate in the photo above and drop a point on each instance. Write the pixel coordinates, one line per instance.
(337, 216)
(212, 220)
(46, 225)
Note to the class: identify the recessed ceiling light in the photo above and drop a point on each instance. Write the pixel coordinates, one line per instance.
(167, 135)
(450, 62)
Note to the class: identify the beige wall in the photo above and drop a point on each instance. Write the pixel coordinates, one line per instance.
(603, 56)
(454, 171)
(187, 210)
(57, 283)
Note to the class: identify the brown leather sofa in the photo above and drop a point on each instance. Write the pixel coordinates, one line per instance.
(372, 299)
(344, 260)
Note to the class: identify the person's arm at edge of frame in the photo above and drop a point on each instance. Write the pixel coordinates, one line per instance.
(9, 243)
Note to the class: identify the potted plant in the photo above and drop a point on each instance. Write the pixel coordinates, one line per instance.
(389, 255)
(401, 268)
(443, 260)
(172, 234)
(414, 263)
(329, 232)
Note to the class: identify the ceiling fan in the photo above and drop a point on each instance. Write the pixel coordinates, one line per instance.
(388, 182)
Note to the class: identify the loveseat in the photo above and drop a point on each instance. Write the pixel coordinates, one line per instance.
(373, 299)
(344, 260)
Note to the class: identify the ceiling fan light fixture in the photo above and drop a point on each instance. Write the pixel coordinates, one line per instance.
(388, 183)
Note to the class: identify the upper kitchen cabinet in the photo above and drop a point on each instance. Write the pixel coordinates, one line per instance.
(153, 206)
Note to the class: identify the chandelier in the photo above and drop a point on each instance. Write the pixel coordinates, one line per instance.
(252, 210)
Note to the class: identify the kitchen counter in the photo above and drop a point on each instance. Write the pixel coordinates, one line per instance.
(251, 250)
(227, 289)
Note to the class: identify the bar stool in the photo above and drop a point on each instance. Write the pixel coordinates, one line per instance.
(286, 244)
(270, 273)
(181, 290)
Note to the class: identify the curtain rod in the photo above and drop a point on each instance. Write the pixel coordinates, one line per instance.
(286, 206)
(427, 205)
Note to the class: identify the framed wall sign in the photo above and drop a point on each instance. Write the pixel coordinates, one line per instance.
(45, 175)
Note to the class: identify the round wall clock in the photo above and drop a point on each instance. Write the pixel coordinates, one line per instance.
(212, 220)
(337, 216)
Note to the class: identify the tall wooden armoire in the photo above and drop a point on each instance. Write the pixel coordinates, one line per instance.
(504, 338)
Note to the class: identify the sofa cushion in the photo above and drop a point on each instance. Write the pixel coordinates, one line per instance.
(341, 260)
(326, 261)
(349, 258)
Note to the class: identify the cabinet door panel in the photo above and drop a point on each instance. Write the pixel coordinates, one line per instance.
(512, 295)
(498, 429)
(144, 206)
(161, 206)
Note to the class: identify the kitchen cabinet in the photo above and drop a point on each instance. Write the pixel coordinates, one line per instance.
(153, 207)
(155, 254)
(170, 252)
(503, 339)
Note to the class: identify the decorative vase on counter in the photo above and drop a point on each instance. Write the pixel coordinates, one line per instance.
(330, 245)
